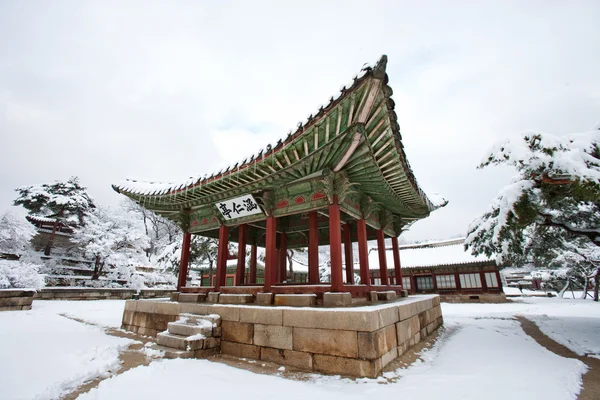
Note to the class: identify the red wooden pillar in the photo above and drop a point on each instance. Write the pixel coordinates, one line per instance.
(270, 252)
(457, 281)
(363, 252)
(413, 284)
(348, 256)
(434, 281)
(313, 248)
(335, 246)
(253, 263)
(184, 260)
(483, 282)
(397, 265)
(383, 273)
(241, 261)
(499, 281)
(222, 252)
(282, 257)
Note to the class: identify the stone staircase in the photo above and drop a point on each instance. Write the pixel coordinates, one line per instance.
(191, 336)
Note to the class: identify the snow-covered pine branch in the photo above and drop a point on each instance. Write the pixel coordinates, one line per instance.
(550, 214)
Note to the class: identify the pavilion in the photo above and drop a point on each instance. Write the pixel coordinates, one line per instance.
(341, 177)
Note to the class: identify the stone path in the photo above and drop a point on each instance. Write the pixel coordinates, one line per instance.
(591, 380)
(130, 358)
(134, 357)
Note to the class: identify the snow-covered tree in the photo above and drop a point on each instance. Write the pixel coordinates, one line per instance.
(66, 202)
(15, 234)
(203, 250)
(161, 232)
(115, 240)
(550, 215)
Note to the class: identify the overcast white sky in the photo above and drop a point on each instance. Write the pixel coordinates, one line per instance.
(164, 90)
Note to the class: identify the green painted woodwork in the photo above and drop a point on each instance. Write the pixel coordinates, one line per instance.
(356, 135)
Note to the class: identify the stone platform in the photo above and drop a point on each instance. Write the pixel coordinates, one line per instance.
(354, 341)
(16, 299)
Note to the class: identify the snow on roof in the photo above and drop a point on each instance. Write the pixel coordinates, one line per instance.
(153, 188)
(39, 218)
(432, 243)
(447, 252)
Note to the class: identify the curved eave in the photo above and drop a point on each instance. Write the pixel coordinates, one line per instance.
(366, 102)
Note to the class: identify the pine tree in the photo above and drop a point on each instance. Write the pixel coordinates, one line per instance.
(65, 202)
(550, 215)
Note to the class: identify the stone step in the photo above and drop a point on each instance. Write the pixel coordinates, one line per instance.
(180, 342)
(170, 352)
(194, 318)
(202, 327)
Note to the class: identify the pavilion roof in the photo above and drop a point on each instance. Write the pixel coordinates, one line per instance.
(378, 164)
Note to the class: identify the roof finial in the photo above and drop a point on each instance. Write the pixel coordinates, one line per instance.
(379, 70)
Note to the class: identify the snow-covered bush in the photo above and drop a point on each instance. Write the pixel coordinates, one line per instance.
(15, 234)
(20, 274)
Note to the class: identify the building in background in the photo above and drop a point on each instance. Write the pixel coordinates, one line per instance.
(445, 267)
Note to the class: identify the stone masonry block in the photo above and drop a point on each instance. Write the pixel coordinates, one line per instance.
(403, 348)
(131, 305)
(193, 308)
(236, 299)
(11, 293)
(346, 366)
(406, 329)
(128, 317)
(296, 359)
(326, 341)
(160, 321)
(213, 297)
(351, 320)
(279, 337)
(15, 301)
(226, 312)
(240, 350)
(146, 306)
(174, 296)
(372, 345)
(388, 295)
(337, 299)
(265, 299)
(267, 316)
(167, 308)
(296, 300)
(211, 342)
(389, 357)
(238, 332)
(424, 318)
(205, 353)
(191, 297)
(406, 310)
(372, 296)
(140, 318)
(178, 328)
(388, 316)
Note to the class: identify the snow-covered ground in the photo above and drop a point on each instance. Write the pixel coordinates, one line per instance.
(482, 353)
(45, 355)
